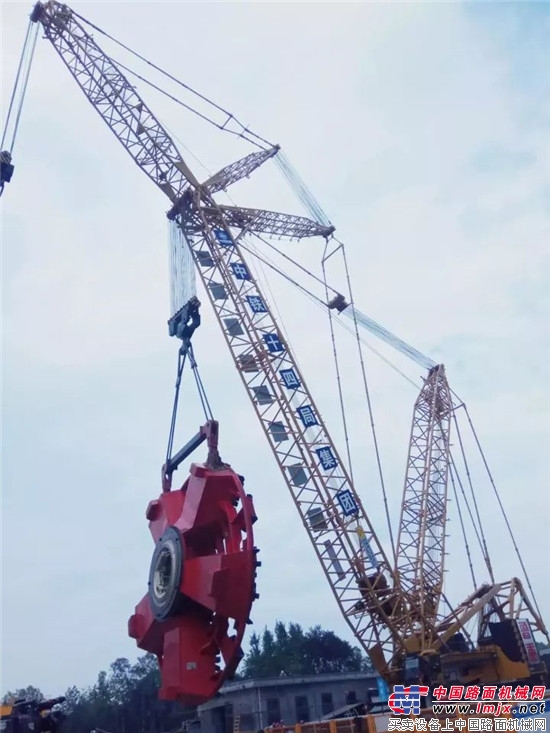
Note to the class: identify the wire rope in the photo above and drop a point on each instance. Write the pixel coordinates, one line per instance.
(338, 380)
(245, 131)
(504, 514)
(370, 411)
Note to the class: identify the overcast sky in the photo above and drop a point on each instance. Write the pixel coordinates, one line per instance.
(422, 128)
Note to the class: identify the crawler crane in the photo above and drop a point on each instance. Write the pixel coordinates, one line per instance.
(204, 545)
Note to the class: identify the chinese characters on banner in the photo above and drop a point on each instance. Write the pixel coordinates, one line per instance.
(524, 628)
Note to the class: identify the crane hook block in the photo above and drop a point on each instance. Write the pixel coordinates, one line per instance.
(202, 583)
(185, 322)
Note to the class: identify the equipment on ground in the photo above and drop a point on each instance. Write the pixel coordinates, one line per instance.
(24, 716)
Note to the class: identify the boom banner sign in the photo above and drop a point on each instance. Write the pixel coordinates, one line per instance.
(526, 635)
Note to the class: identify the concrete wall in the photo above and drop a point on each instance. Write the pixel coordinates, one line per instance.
(262, 702)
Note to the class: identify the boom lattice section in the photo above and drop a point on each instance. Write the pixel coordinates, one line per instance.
(239, 169)
(344, 540)
(353, 560)
(421, 539)
(115, 99)
(269, 222)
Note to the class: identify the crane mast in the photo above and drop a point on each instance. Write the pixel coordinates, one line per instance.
(422, 525)
(325, 497)
(352, 557)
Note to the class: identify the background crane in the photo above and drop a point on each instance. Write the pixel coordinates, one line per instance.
(423, 525)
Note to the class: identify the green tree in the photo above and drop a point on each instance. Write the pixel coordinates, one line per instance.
(124, 700)
(296, 639)
(72, 699)
(251, 665)
(326, 653)
(24, 693)
(121, 681)
(99, 705)
(291, 651)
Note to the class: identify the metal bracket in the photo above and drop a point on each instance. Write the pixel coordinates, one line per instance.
(6, 167)
(338, 303)
(209, 432)
(185, 322)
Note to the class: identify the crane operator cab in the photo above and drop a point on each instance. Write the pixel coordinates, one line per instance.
(422, 668)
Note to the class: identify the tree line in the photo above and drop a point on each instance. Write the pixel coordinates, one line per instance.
(124, 699)
(289, 650)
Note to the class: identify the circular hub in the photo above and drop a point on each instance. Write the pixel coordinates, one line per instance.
(201, 584)
(165, 575)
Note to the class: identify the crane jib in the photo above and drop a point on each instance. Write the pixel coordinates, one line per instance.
(358, 572)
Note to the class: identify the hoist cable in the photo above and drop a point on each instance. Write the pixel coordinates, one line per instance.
(320, 303)
(261, 276)
(485, 549)
(200, 386)
(369, 405)
(462, 526)
(338, 379)
(503, 511)
(24, 68)
(452, 466)
(244, 130)
(296, 264)
(301, 191)
(299, 187)
(16, 83)
(259, 272)
(25, 83)
(183, 104)
(360, 318)
(175, 137)
(186, 351)
(181, 363)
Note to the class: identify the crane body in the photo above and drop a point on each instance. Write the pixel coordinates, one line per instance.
(394, 610)
(350, 553)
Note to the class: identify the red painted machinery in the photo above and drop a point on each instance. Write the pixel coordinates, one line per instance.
(202, 576)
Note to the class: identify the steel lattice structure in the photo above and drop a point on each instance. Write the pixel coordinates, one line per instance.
(325, 497)
(350, 553)
(421, 538)
(240, 169)
(496, 602)
(391, 610)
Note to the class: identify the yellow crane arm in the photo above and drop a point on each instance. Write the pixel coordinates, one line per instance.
(352, 557)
